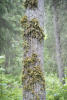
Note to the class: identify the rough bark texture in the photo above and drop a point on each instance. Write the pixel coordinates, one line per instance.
(58, 45)
(33, 70)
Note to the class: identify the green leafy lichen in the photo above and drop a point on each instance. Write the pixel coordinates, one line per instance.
(32, 28)
(33, 76)
(24, 22)
(30, 60)
(32, 73)
(25, 46)
(31, 4)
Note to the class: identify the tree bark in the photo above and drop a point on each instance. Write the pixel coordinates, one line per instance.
(6, 62)
(58, 44)
(7, 57)
(33, 69)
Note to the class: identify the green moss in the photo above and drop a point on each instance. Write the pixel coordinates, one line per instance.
(32, 28)
(31, 4)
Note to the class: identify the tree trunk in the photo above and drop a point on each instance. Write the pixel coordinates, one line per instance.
(6, 62)
(58, 44)
(33, 69)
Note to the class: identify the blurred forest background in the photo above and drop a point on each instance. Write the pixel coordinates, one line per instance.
(11, 50)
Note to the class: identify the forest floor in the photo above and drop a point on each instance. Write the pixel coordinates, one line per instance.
(11, 88)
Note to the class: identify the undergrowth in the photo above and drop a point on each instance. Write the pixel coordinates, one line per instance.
(11, 88)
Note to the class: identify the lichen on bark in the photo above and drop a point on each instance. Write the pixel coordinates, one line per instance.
(32, 75)
(31, 4)
(32, 28)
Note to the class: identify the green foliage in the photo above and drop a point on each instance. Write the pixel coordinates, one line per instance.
(10, 34)
(2, 59)
(50, 49)
(54, 89)
(5, 5)
(10, 89)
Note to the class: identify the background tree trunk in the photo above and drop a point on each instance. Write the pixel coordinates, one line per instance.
(34, 84)
(6, 62)
(58, 44)
(7, 56)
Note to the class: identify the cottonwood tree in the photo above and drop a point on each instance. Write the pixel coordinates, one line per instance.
(33, 45)
(57, 38)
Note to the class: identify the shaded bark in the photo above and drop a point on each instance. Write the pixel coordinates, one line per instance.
(58, 44)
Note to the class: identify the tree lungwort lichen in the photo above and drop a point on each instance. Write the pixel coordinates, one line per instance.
(31, 4)
(32, 28)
